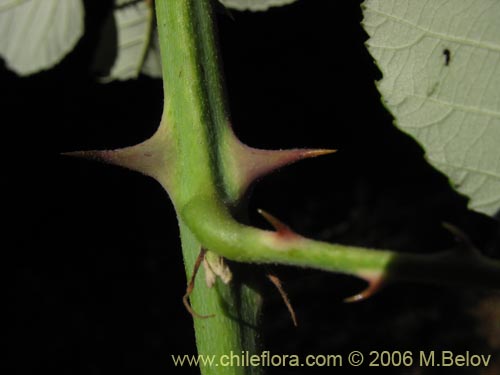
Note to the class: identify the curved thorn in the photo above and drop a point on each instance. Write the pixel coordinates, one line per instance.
(281, 228)
(373, 287)
(466, 243)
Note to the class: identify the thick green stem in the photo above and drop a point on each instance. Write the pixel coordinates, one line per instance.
(194, 105)
(236, 307)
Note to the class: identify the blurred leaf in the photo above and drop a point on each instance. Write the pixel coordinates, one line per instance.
(152, 62)
(254, 5)
(35, 34)
(440, 62)
(134, 22)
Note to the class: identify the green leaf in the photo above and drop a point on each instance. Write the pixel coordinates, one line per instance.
(440, 62)
(254, 5)
(134, 22)
(36, 35)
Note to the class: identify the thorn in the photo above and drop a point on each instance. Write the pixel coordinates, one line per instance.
(373, 287)
(261, 162)
(143, 157)
(132, 157)
(94, 155)
(312, 153)
(281, 228)
(190, 287)
(277, 283)
(466, 244)
(250, 164)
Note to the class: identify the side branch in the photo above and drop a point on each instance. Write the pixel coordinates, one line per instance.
(215, 228)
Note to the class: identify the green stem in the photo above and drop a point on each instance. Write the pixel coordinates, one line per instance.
(195, 110)
(236, 307)
(235, 241)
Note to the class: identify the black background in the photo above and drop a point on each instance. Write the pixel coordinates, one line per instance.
(92, 255)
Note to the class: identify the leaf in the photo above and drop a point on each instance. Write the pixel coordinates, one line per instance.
(254, 5)
(440, 62)
(134, 22)
(36, 35)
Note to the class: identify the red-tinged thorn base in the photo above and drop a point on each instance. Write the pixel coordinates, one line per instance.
(281, 228)
(258, 163)
(253, 163)
(143, 158)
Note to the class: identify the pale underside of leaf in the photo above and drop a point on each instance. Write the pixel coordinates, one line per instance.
(254, 5)
(134, 22)
(152, 62)
(35, 34)
(440, 62)
(120, 3)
